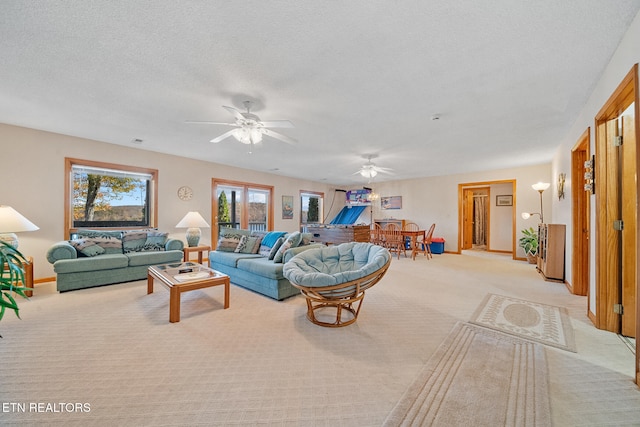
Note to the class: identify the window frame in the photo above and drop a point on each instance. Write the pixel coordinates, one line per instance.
(320, 195)
(246, 186)
(68, 192)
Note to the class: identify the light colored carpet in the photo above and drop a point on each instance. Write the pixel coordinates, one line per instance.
(478, 377)
(543, 323)
(261, 362)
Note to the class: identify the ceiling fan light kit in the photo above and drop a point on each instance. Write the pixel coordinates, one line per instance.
(249, 129)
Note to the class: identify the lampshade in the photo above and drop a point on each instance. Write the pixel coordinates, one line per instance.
(192, 221)
(540, 186)
(12, 222)
(247, 135)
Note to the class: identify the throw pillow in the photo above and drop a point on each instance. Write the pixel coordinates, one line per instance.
(110, 241)
(133, 241)
(275, 247)
(250, 247)
(242, 245)
(268, 242)
(86, 247)
(292, 241)
(229, 239)
(155, 241)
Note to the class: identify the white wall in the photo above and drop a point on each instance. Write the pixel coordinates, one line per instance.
(36, 170)
(435, 200)
(621, 62)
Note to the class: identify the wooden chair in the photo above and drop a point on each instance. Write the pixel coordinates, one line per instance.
(377, 235)
(426, 242)
(394, 241)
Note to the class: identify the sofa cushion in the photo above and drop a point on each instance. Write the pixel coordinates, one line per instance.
(155, 241)
(86, 247)
(153, 257)
(230, 238)
(133, 241)
(292, 241)
(110, 241)
(228, 258)
(261, 267)
(102, 262)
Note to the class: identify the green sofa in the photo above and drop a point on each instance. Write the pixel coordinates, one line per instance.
(95, 257)
(255, 261)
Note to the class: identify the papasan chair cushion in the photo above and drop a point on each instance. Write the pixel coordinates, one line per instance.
(337, 276)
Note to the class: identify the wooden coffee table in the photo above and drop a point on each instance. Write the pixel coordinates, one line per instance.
(183, 277)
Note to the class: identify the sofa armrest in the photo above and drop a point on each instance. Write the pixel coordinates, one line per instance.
(290, 253)
(174, 245)
(61, 250)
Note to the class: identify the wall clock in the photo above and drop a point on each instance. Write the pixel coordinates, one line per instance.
(185, 193)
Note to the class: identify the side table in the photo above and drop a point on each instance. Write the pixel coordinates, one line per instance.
(28, 275)
(199, 249)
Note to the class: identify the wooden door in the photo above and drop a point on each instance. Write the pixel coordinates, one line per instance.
(467, 233)
(629, 232)
(580, 202)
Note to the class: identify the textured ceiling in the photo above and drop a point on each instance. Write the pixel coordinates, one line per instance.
(506, 77)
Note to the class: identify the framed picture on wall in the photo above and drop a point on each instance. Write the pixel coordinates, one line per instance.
(505, 200)
(287, 207)
(391, 202)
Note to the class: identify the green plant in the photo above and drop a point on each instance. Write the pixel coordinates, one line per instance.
(529, 241)
(11, 278)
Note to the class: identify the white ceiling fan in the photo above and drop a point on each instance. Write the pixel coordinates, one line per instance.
(370, 170)
(249, 128)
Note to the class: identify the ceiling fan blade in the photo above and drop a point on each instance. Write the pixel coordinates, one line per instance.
(277, 124)
(279, 136)
(223, 136)
(210, 123)
(235, 112)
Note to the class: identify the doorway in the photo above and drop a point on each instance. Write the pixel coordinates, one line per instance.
(503, 217)
(475, 234)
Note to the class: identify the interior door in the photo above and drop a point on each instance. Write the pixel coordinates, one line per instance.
(628, 210)
(467, 233)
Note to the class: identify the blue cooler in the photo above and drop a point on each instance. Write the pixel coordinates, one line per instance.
(437, 245)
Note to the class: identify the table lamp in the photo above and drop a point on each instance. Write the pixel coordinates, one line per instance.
(192, 221)
(11, 222)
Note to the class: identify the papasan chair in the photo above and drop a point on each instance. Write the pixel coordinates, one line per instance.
(337, 277)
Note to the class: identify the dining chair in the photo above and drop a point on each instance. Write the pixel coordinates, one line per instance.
(426, 242)
(394, 241)
(409, 241)
(377, 235)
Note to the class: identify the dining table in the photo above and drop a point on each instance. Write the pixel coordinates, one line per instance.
(413, 235)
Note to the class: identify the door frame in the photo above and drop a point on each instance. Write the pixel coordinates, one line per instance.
(581, 225)
(468, 185)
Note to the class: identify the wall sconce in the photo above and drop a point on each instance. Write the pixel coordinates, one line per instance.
(590, 175)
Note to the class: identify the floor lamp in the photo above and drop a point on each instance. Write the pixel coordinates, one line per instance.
(540, 187)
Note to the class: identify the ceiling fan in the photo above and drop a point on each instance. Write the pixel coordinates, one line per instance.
(370, 170)
(249, 128)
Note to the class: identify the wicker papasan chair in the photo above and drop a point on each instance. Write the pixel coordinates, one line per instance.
(337, 277)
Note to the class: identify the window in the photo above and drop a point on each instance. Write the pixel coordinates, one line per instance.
(312, 208)
(241, 205)
(105, 195)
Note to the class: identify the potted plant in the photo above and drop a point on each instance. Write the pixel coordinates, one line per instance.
(529, 243)
(11, 278)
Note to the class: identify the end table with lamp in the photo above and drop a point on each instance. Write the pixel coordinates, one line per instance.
(11, 222)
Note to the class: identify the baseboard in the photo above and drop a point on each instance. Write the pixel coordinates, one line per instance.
(44, 280)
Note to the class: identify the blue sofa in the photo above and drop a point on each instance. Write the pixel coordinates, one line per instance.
(96, 257)
(257, 266)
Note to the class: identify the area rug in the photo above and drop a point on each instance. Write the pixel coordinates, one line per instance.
(546, 324)
(478, 377)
